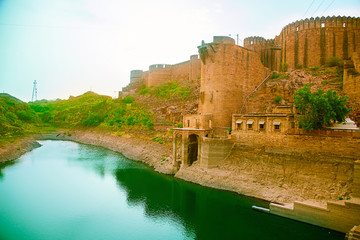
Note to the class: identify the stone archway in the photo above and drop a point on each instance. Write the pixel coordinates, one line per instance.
(193, 148)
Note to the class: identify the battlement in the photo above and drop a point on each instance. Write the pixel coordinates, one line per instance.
(224, 40)
(136, 73)
(322, 22)
(159, 66)
(194, 57)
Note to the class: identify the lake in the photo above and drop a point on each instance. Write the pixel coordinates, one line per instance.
(67, 190)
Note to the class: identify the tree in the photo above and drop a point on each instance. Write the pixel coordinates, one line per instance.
(319, 109)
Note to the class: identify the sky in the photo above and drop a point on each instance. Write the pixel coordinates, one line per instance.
(72, 46)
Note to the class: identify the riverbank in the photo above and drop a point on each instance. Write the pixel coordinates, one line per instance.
(13, 148)
(228, 176)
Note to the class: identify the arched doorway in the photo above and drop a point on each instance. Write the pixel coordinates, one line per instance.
(193, 148)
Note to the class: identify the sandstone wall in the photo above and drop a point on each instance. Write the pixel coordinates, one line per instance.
(309, 42)
(310, 166)
(351, 82)
(228, 74)
(161, 73)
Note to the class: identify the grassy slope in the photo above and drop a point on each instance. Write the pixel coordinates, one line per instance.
(16, 117)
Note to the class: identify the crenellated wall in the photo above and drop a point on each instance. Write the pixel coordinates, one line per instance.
(160, 73)
(309, 42)
(228, 74)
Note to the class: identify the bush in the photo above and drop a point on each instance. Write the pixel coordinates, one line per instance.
(278, 99)
(144, 91)
(320, 109)
(283, 67)
(129, 99)
(334, 62)
(25, 116)
(12, 116)
(94, 119)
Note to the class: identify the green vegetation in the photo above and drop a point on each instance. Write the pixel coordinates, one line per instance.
(278, 99)
(319, 109)
(16, 117)
(334, 62)
(159, 140)
(277, 75)
(283, 67)
(92, 110)
(88, 110)
(168, 90)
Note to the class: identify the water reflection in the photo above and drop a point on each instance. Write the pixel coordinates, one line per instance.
(97, 192)
(209, 213)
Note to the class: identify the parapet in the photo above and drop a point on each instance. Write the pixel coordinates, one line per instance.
(224, 40)
(135, 73)
(159, 66)
(323, 22)
(194, 57)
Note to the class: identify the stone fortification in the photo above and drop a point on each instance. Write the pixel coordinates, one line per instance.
(161, 73)
(228, 74)
(308, 43)
(351, 82)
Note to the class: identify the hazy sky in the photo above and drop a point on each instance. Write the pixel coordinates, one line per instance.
(73, 46)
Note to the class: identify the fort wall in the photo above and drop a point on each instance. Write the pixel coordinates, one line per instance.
(161, 73)
(228, 74)
(351, 80)
(309, 42)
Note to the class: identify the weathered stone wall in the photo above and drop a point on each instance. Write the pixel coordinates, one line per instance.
(161, 73)
(228, 74)
(310, 42)
(319, 166)
(351, 82)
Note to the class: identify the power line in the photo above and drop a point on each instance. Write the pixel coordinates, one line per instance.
(308, 8)
(328, 7)
(318, 7)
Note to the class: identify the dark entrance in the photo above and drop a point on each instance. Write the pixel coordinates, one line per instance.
(193, 148)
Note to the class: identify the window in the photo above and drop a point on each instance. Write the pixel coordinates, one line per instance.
(262, 125)
(238, 124)
(188, 121)
(277, 126)
(250, 124)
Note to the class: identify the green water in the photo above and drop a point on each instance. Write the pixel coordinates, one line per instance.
(66, 190)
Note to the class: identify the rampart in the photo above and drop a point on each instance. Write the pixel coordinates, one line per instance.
(160, 73)
(228, 74)
(351, 82)
(309, 42)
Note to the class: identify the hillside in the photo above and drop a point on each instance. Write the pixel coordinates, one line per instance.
(16, 117)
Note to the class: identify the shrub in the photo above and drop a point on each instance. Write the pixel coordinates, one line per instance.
(283, 67)
(320, 109)
(144, 91)
(334, 62)
(94, 119)
(25, 116)
(278, 99)
(129, 99)
(12, 116)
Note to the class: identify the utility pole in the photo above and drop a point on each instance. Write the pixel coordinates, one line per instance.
(34, 93)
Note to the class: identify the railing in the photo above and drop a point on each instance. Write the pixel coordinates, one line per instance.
(242, 107)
